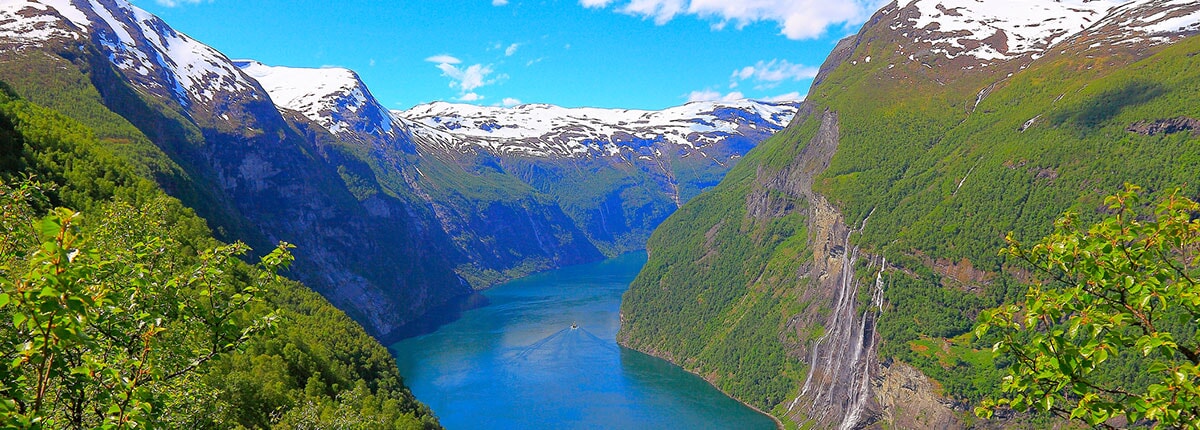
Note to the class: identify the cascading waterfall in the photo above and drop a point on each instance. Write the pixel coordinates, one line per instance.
(837, 387)
(860, 392)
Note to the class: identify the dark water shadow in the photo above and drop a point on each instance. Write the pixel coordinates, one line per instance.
(437, 317)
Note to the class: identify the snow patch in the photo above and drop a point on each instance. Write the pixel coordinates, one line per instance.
(543, 130)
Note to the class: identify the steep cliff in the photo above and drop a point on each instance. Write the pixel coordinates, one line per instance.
(858, 244)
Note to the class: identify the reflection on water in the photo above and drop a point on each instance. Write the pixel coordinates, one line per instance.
(517, 363)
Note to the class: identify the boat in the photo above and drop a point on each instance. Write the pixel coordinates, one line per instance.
(574, 326)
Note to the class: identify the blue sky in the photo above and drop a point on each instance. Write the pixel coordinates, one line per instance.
(640, 54)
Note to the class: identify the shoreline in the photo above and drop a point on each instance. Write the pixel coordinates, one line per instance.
(778, 423)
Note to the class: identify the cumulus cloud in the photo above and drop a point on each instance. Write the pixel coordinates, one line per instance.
(469, 78)
(797, 19)
(510, 102)
(707, 95)
(769, 74)
(465, 79)
(499, 2)
(511, 49)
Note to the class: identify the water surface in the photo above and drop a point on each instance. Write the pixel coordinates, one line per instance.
(516, 363)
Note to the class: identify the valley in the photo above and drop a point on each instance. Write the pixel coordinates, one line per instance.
(833, 262)
(546, 343)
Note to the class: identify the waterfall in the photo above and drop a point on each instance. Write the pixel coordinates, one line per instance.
(837, 387)
(860, 392)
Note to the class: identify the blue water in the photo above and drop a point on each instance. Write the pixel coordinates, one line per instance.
(516, 363)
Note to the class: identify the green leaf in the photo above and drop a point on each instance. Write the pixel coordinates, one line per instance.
(49, 227)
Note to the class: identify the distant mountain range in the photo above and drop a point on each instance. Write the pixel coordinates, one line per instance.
(392, 212)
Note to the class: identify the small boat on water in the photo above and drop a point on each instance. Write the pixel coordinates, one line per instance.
(574, 326)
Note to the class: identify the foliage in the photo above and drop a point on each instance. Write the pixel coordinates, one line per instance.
(98, 327)
(948, 179)
(1123, 289)
(948, 170)
(315, 369)
(722, 316)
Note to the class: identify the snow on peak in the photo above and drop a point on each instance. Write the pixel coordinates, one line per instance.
(144, 47)
(990, 30)
(29, 23)
(546, 130)
(333, 97)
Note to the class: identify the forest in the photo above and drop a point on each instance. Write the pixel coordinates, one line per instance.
(120, 310)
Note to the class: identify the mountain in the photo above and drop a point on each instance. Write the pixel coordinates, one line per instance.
(531, 187)
(210, 135)
(393, 213)
(834, 275)
(729, 129)
(165, 325)
(616, 173)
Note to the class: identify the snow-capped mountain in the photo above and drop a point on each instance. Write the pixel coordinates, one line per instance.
(542, 130)
(333, 97)
(149, 52)
(227, 151)
(339, 101)
(989, 31)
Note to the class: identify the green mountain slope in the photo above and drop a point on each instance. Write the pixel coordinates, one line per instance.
(919, 165)
(317, 367)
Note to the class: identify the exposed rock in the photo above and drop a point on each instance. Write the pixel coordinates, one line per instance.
(909, 401)
(1165, 126)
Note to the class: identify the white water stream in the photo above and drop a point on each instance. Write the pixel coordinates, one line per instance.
(838, 384)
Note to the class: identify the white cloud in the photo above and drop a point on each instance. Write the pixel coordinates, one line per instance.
(443, 59)
(499, 2)
(797, 19)
(465, 79)
(793, 96)
(173, 3)
(661, 10)
(707, 95)
(771, 74)
(512, 49)
(510, 102)
(468, 79)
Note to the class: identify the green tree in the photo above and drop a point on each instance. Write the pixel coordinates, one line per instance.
(1109, 335)
(96, 326)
